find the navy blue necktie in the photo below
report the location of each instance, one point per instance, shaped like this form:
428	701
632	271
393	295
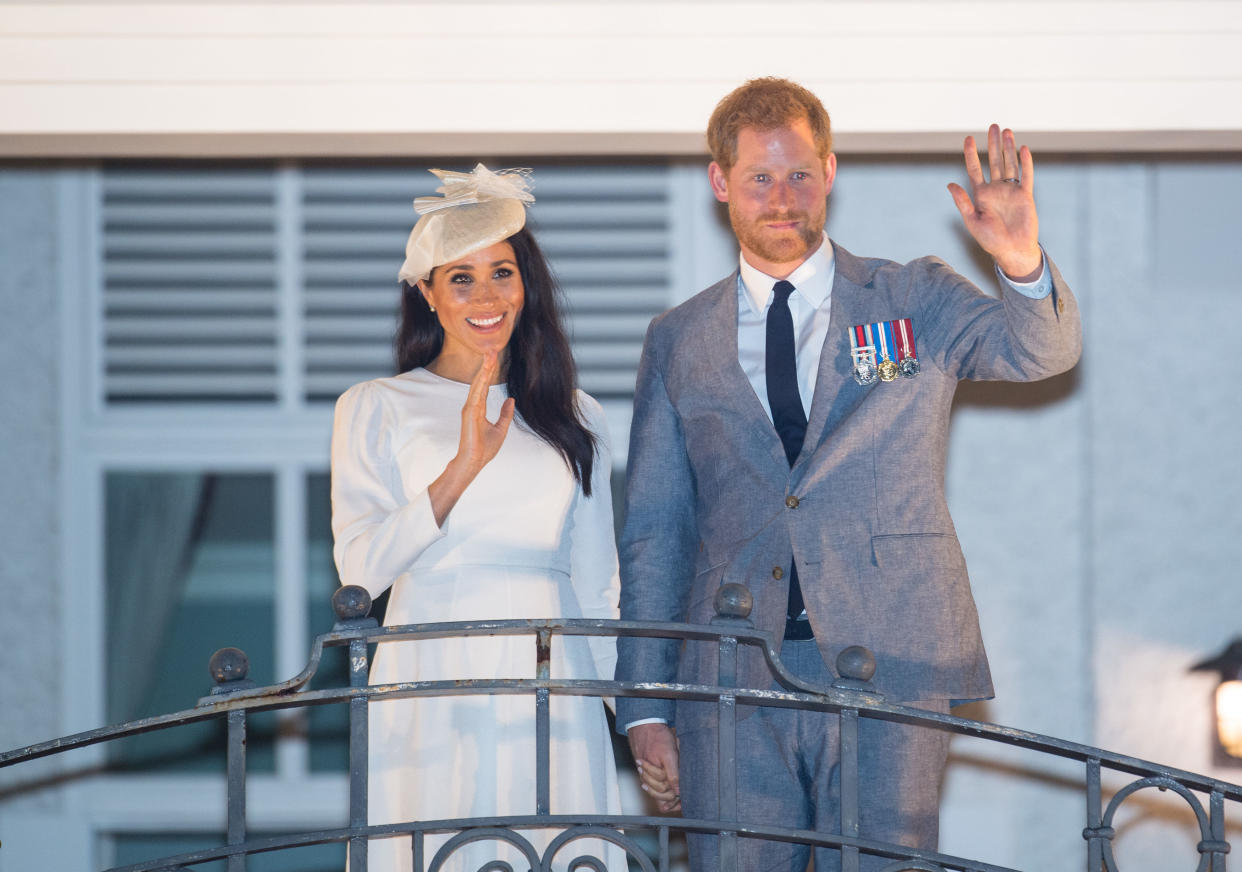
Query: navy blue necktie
781	372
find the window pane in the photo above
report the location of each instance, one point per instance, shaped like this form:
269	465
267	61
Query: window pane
328	724
190	569
130	848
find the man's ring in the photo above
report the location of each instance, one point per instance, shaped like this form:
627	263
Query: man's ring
1012	181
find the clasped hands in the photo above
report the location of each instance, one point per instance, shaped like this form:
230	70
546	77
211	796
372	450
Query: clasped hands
655	752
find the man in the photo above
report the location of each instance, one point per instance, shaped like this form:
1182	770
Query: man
790	430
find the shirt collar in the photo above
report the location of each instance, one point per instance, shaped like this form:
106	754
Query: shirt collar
812	279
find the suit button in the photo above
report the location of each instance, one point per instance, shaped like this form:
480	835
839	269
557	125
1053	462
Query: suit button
791	502
778	573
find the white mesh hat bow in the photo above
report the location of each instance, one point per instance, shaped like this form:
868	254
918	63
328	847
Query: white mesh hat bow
478	209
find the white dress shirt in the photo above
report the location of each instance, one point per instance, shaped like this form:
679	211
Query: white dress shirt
810	306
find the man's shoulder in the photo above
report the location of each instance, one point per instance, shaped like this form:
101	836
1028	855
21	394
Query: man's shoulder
882	272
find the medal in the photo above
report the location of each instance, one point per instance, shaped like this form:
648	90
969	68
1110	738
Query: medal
887	367
908	360
863	353
865	372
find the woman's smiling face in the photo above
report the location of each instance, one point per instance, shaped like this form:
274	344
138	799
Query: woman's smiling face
477	299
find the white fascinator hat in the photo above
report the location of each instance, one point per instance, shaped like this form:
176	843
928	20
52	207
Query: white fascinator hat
478	209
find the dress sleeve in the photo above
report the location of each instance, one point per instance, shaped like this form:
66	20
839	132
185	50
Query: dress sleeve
593	554
378	532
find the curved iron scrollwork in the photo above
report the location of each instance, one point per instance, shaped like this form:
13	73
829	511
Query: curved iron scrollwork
1106	831
486	834
632	849
581	863
912	866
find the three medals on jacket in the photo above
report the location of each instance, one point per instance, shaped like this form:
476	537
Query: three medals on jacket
882	351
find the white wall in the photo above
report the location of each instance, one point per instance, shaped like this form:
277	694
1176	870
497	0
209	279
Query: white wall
606	77
30	529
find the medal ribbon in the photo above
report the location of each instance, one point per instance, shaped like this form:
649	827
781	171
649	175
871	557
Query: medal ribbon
906	330
890	340
860	339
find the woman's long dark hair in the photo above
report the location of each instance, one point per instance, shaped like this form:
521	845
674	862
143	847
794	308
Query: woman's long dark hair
541	377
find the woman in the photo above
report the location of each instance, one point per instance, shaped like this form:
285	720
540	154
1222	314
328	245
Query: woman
475	484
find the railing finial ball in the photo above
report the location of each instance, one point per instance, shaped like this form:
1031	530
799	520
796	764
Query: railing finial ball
856	662
734	601
351	602
228	664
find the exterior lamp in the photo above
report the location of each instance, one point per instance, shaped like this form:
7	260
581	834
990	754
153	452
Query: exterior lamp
1228	696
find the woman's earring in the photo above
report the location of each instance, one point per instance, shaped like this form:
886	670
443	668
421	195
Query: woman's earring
431	307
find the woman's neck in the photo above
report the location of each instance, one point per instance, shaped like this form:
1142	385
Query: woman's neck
463	368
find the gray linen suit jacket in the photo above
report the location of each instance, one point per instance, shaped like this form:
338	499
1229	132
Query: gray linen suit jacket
877	554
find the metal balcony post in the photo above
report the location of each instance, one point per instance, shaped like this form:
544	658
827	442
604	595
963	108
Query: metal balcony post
352	605
229	668
726	765
543	671
1219	847
733	604
849	786
1095	831
358	754
855	668
237	787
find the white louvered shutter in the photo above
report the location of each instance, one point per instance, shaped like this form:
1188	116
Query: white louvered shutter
191	288
355	225
605	231
189	285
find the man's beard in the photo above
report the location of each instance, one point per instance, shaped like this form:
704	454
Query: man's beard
785	248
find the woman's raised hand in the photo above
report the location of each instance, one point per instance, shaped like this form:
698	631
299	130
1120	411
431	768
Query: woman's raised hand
480	440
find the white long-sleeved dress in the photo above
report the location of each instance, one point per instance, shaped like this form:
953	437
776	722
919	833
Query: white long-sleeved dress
522	542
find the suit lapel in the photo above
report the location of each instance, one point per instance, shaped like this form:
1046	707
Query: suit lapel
718	352
836	392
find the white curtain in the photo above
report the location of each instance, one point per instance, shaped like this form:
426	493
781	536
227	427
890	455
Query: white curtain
151	524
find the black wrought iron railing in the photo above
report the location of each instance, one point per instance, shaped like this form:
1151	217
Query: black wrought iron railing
851	697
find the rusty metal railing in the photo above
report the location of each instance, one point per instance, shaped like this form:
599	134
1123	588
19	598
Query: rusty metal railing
235	699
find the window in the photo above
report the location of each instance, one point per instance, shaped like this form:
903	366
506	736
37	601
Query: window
220	312
190	569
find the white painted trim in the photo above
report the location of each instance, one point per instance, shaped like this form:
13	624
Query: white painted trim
292	641
289	285
81	571
92	293
430	144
